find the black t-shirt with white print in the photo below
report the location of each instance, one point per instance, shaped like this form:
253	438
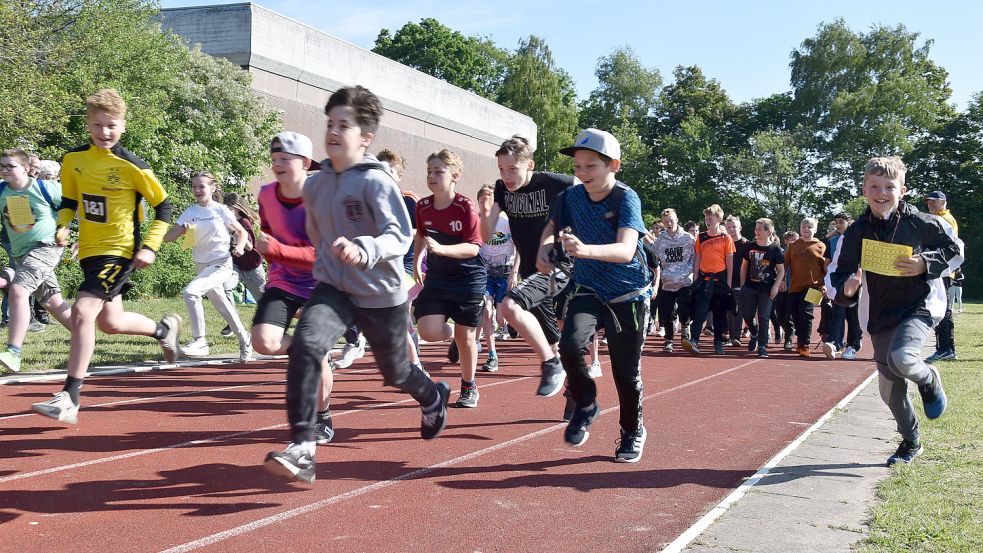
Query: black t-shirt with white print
528	209
762	265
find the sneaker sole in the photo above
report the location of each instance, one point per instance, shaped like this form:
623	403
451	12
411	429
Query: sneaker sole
8	368
550	392
626	460
279	467
891	461
580	443
43	410
828	351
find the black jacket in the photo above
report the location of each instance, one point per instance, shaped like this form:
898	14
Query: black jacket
886	300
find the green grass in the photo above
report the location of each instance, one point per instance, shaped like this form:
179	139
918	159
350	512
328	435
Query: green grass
49	350
936	503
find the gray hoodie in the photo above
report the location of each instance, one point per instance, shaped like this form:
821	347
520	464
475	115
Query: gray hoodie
364	204
676	257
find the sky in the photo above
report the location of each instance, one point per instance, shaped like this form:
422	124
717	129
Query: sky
744	45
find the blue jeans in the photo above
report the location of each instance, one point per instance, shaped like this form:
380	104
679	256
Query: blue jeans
848	318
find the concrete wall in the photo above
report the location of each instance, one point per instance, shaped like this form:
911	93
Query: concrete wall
296	67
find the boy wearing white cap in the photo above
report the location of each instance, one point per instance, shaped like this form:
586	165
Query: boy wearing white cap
602	226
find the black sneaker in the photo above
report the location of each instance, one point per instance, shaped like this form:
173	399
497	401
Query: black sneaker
324	430
433	423
630	446
294	463
42	316
576	432
752	344
934	400
762	353
469	397
551	381
452	354
906	453
227	331
490	366
718	348
788	345
569	406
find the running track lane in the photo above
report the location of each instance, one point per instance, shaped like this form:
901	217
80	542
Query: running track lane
171	460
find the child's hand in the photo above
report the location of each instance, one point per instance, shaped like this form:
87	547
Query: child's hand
486	198
239	249
543	262
911	266
144	258
433	246
263	243
347	251
573	246
774	290
418	276
852	284
61	237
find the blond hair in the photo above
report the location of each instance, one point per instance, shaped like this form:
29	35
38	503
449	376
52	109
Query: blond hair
715	210
20	155
107	100
449	159
394	159
766	224
811	222
887	166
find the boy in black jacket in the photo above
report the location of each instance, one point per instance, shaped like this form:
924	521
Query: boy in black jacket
900	301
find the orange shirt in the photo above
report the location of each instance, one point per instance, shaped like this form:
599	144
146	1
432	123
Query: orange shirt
713	251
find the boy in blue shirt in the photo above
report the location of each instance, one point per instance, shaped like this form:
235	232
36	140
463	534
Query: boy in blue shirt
601	222
899	306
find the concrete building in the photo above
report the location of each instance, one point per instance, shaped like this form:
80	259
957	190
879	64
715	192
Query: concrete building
296	67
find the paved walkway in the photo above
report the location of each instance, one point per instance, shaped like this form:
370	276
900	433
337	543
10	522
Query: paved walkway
817	498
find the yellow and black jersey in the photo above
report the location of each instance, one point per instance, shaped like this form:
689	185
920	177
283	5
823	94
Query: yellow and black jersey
106	187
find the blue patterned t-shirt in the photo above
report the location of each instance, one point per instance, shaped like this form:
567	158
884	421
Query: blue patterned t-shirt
586	218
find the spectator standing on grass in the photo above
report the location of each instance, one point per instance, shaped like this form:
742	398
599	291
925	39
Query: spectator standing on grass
945	332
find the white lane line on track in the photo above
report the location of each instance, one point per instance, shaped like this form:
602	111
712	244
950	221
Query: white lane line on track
286	515
142	452
691	533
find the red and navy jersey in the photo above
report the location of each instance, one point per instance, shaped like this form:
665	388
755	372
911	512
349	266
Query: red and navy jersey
457	224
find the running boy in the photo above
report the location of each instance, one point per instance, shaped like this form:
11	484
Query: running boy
611	286
360	230
108	182
899	309
447	228
526	197
27	208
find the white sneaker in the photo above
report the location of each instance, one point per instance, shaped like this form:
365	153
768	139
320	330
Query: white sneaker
502	333
849	353
830	351
595	369
245	350
195	348
169	343
478	345
661	332
350	353
61	408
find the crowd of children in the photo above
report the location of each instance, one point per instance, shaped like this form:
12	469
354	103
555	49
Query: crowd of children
553	259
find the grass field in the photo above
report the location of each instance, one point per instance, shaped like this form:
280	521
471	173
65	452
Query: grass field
49	350
936	503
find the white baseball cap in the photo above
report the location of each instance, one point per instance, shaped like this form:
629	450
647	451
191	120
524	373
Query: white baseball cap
295	143
597	140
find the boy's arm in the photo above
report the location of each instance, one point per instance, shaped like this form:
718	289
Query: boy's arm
622	250
392	236
69	198
418	249
844	264
147	185
730	267
743	273
489	212
543	262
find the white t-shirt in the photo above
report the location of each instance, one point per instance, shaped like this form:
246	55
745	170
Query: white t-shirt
500	249
211	231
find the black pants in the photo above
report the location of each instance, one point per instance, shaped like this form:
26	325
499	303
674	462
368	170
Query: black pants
718	302
848	317
757	304
325	318
945	333
802	315
782	307
586	314
678	303
736	317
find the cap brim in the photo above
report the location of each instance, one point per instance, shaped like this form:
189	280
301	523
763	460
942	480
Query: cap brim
569	151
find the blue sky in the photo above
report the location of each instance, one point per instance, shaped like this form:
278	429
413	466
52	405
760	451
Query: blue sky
744	45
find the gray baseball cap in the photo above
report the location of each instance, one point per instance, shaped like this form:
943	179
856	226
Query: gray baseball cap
597	140
295	143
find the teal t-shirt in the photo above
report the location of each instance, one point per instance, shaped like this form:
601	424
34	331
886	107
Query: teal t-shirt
27	216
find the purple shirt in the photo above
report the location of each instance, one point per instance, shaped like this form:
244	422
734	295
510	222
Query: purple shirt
288	226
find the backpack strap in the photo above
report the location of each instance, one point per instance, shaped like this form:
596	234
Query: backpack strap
46	194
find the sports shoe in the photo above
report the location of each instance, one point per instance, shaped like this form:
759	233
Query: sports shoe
350	353
194	348
630	446
551	380
570	405
295	463
691	346
667	347
906	453
433	423
245	350
453	355
227	331
778	336
752	344
935	357
684	332
803	351
934	400
850	353
594	371
61	408
41	316
762	353
490	366
469	397
323	430
830	350
169	343
788	345
736	342
718	347
576	432
502	333
949	355
36	327
9	361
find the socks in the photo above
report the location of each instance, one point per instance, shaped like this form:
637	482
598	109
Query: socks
73	386
493	354
161	331
466	384
14	349
322	416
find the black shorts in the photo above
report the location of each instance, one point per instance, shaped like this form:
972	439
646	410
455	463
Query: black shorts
277	308
534	295
465	313
105	276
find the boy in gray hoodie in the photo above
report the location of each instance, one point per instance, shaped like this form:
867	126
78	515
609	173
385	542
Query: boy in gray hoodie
360	229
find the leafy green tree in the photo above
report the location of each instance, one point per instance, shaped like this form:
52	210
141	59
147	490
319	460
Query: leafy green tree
470	62
535	86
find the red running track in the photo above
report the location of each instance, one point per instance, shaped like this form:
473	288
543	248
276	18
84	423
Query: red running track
171	461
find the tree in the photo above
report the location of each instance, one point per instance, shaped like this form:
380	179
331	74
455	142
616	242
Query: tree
470	62
533	85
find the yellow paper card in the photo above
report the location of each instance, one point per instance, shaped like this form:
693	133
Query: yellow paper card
189	238
814	296
879	257
19	211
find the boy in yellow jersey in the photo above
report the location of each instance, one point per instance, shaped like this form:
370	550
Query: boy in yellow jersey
105	184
